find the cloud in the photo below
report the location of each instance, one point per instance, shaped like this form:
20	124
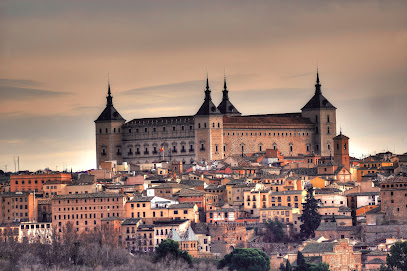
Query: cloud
19	89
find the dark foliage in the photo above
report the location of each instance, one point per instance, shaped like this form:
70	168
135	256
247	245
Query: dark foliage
397	260
170	249
274	231
310	216
246	259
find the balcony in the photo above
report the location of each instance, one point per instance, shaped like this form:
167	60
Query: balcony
146	152
202	149
155	152
130	153
191	150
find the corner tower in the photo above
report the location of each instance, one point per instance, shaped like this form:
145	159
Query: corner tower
108	133
323	114
226	107
341	150
208	130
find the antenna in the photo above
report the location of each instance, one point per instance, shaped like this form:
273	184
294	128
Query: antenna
18	160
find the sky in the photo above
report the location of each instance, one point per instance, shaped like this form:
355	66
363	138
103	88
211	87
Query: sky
56	57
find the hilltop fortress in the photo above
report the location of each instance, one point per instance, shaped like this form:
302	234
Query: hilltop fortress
215	132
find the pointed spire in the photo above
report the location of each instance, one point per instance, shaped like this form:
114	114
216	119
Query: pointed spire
208	90
317	85
109	97
225	90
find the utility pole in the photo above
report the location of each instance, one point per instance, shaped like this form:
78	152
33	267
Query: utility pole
18	160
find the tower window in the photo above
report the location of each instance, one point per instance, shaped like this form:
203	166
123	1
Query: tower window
291	148
100	131
205	125
316	129
307	148
190	127
213	125
327	118
182	128
218	125
337	147
317	147
260	148
199	125
106	131
344	146
329	131
173	128
163	129
224	148
242	148
329	147
114	130
216	147
316	118
145	130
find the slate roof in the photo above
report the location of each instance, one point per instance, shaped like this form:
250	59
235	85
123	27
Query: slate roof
363	194
173	234
131	221
192	182
267	120
181	205
208	107
375	210
109	113
327	226
87	196
225	106
319	247
376	261
377	253
318	100
189	235
141	199
187	192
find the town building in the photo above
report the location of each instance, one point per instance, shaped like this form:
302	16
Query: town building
34	182
394	198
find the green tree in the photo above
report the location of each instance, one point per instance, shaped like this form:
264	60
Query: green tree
398	256
288	266
282	267
170	248
301	263
310	216
319	267
274	232
246	259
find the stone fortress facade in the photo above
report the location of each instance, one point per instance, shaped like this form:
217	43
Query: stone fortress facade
215	132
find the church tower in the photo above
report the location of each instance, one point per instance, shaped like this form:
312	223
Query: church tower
226	107
208	130
341	150
323	114
109	133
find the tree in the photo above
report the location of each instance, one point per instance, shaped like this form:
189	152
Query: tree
310	216
274	232
170	248
288	266
398	256
301	263
246	259
319	267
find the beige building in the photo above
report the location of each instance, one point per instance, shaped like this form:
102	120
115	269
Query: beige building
16	207
86	211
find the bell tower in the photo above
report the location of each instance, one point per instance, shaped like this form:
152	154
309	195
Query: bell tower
109	133
341	150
